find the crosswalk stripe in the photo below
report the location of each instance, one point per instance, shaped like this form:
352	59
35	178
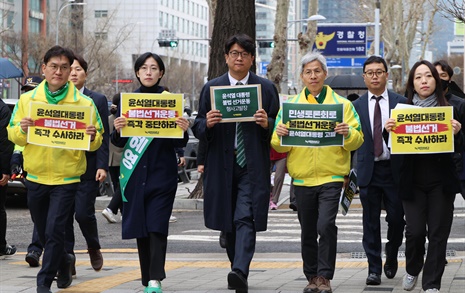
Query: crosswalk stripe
285	227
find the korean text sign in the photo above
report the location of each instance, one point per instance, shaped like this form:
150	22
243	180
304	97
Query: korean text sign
341	40
422	130
236	103
152	115
60	126
312	124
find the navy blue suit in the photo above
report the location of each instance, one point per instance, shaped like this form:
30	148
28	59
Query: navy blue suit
84	206
236	199
377	186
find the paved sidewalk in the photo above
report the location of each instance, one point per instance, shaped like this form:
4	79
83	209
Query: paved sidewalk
270	272
207	273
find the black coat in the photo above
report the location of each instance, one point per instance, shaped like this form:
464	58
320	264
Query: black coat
443	163
219	160
151	190
6	146
99	158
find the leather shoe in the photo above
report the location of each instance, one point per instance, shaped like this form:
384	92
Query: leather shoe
223	242
374	279
293	206
33	258
390	269
43	289
236	280
65	274
96	259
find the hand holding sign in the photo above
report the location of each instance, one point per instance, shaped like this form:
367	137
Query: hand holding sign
25	123
261	118
390	124
456	126
119	123
91	130
213	117
281	130
182	123
342	128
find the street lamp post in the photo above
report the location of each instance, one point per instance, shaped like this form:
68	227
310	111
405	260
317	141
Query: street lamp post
377	20
63	6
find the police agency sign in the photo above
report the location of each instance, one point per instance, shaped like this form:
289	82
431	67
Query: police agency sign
341	40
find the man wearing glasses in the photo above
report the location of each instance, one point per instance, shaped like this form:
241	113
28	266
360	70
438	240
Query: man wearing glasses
237	187
374	171
53	174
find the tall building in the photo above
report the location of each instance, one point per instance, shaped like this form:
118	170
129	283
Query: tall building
19	21
265	14
182	21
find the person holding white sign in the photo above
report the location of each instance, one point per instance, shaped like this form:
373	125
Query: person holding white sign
53	174
427	186
318	174
148	181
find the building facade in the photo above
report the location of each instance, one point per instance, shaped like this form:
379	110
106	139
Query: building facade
21	21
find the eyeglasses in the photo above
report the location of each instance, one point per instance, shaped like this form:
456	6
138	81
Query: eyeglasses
235	54
54	67
317	72
378	73
144	69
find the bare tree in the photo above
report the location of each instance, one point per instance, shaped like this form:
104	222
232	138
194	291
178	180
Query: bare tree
277	65
429	31
4	12
452	9
307	39
212	8
32	45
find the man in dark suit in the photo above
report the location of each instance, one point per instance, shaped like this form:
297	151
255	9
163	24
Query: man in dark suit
374	171
236	197
97	166
446	73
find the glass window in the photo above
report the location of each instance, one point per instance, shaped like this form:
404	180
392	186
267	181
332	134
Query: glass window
101	13
34	5
101	35
10	19
34	25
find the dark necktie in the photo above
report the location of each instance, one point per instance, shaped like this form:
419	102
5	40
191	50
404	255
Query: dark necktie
377	129
240	150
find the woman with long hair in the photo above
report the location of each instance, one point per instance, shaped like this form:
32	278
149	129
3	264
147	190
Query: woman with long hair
427	186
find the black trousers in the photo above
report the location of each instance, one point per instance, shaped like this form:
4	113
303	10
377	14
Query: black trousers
430	215
381	190
3	219
35	245
84	212
50	206
116	201
317	211
241	241
152	257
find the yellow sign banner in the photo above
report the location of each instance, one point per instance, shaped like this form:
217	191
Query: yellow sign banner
422	130
152	115
59	126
